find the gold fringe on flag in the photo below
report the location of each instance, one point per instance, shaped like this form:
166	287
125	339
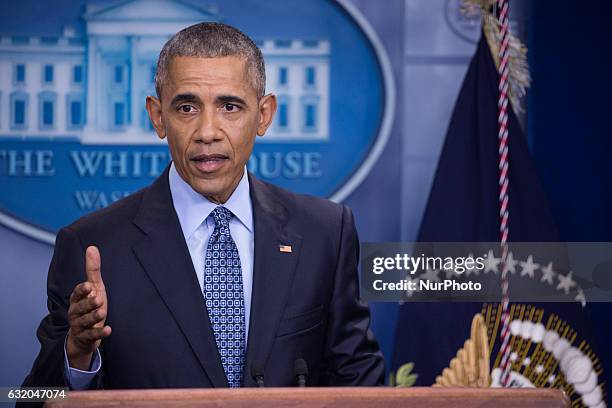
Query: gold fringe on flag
518	68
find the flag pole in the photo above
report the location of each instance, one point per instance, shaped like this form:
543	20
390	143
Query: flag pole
502	121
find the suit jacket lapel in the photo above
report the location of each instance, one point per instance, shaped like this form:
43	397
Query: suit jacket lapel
272	271
166	260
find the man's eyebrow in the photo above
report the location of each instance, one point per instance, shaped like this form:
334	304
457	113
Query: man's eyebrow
231	99
186	97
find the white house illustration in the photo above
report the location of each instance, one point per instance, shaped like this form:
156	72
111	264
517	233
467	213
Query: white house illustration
92	86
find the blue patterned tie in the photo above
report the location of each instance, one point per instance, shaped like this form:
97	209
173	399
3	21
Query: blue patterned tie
225	297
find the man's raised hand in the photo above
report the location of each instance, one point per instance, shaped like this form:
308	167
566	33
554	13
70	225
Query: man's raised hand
87	314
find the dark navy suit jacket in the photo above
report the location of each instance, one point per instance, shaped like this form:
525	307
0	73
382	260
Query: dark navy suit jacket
304	303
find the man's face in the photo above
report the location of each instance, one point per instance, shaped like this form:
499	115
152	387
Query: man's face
210	113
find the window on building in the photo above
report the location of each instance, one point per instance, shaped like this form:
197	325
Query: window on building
20	73
48	74
77	74
283	115
118	74
47	113
310	115
282	43
19	106
46	109
310	111
283	76
119	114
20	39
76	116
75	110
49	40
310	76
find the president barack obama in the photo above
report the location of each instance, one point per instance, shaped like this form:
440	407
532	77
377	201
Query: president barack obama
209	271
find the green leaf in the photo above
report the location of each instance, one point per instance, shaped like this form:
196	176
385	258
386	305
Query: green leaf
405	377
392	379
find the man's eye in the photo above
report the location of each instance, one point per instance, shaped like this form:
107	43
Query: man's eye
186	108
230	107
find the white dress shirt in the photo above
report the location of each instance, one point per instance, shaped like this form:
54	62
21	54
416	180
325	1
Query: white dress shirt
193	212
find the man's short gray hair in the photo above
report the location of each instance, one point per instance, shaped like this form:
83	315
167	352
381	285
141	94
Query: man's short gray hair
212	40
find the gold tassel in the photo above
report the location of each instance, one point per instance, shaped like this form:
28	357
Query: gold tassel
518	67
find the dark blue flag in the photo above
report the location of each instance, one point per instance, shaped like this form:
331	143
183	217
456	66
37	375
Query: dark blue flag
463	206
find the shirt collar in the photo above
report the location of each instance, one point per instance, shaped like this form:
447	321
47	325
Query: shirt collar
192	208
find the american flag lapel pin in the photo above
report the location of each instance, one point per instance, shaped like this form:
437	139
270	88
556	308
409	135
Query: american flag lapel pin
285	248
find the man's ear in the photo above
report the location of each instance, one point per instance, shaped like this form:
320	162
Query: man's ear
267	109
155	114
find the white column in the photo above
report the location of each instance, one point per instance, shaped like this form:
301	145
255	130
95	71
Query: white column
100	80
32	88
92	72
134	87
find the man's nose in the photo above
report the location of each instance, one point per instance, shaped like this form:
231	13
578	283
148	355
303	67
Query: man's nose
208	130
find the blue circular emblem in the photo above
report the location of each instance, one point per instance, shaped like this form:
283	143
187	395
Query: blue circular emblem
78	137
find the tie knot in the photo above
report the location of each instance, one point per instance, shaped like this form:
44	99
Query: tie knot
222	216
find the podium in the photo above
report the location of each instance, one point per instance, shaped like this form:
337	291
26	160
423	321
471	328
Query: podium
343	397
